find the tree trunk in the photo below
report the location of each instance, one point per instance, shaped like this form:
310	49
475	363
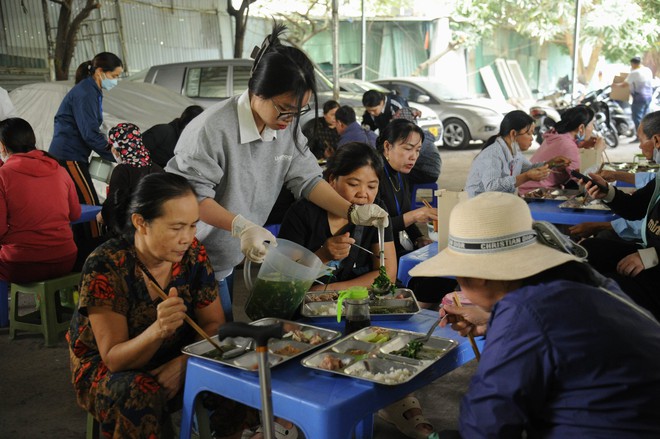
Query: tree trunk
451	46
67	33
240	18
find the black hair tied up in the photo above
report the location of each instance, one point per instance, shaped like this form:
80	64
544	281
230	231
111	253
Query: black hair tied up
148	198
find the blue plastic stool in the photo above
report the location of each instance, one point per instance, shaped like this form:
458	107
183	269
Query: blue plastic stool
4	304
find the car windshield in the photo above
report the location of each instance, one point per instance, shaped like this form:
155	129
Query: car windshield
444	91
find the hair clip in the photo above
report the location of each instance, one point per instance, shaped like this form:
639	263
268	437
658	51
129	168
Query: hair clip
258	53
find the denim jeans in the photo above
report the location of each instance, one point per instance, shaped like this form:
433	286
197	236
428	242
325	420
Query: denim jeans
639	108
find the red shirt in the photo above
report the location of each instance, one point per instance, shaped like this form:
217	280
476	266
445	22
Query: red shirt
38	200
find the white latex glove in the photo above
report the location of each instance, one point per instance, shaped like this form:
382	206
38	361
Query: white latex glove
369	215
252	238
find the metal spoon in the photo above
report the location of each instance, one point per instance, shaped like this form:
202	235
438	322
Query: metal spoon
238	351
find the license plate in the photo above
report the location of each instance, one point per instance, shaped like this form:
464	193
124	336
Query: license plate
434	130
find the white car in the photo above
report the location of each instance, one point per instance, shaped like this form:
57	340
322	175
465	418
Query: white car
428	120
464	118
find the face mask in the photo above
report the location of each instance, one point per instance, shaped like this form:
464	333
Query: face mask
579	137
108	84
656	155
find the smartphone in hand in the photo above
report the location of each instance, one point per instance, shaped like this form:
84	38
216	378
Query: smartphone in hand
584	178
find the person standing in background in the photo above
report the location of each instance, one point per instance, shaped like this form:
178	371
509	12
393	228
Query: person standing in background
161	139
639	81
77	132
380	109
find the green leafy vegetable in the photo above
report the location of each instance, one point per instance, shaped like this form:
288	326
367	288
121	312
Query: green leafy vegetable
382	284
411	350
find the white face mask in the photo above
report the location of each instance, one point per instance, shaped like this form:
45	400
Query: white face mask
656	155
3	154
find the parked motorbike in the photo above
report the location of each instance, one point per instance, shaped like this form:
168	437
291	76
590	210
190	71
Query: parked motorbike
547	112
602	121
620	113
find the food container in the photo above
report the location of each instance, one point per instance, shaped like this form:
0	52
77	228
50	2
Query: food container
369	355
400	305
298	339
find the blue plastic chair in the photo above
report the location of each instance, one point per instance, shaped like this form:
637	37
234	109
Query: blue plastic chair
4	304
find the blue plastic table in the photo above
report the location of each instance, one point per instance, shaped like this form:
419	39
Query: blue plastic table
549	210
323	406
88	213
408	261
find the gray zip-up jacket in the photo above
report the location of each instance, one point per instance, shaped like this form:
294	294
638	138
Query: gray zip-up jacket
225	158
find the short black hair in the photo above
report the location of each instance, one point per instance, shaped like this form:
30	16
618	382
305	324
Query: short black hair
372	98
397	129
635	60
346	115
17	135
651	124
573	118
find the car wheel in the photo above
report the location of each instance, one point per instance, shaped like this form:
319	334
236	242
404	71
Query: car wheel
456	134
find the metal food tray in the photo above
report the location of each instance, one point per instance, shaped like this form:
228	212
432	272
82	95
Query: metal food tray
633	167
248	360
576	204
403	302
355	357
550	194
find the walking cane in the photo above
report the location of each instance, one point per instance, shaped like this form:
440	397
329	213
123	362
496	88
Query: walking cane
261	335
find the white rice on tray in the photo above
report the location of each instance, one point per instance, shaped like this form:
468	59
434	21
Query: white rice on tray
393	376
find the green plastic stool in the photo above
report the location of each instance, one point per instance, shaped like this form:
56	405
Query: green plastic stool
52	318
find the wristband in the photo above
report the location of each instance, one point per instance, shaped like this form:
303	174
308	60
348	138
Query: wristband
351	208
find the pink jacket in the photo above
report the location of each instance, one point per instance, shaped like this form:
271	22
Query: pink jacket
554	144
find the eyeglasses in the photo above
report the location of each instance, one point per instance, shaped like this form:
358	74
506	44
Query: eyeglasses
284	115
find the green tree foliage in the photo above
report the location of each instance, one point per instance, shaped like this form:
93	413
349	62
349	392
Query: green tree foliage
617	29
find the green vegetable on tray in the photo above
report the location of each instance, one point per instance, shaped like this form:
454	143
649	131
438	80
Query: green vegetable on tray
411	350
382	284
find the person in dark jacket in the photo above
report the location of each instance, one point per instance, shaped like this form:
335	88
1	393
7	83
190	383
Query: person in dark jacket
321	133
161	139
77	131
399	144
37	203
380	109
351	131
635	266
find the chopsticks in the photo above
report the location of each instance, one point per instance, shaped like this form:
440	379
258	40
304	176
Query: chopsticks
475	349
435	222
188	320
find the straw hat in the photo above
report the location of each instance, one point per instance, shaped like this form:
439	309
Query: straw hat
491	237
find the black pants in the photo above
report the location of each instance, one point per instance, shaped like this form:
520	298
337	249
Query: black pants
605	254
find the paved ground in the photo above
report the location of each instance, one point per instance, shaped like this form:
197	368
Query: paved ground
37	399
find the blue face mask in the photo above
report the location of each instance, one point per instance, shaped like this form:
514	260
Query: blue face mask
108	84
579	137
656	155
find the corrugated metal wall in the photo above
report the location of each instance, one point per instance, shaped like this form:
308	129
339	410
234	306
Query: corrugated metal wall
153	32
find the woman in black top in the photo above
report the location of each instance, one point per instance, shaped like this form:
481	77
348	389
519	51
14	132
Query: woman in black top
399	144
354	172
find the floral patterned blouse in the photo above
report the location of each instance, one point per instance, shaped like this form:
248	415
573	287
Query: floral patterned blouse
111	278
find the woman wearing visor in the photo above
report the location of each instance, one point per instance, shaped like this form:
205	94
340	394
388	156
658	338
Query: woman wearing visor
240	152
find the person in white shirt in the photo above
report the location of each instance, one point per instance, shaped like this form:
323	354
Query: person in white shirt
639	81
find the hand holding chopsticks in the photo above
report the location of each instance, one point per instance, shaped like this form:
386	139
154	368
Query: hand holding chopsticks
435	222
188	320
475	349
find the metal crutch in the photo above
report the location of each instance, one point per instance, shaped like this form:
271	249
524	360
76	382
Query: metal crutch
261	335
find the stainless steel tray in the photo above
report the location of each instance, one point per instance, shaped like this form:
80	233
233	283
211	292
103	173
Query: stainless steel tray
298	339
367	355
400	305
544	194
577	203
